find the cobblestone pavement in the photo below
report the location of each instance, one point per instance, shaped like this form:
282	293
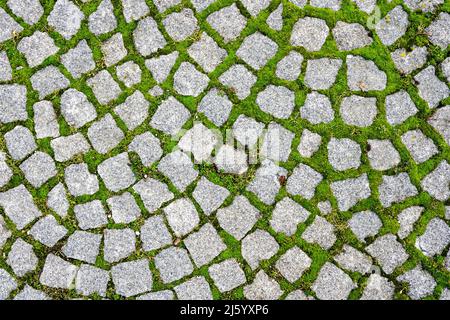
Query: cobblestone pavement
222	149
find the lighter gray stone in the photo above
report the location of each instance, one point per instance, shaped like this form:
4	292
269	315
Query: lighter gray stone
395	189
124	208
209	196
256	50
65	148
204	245
113	49
20	142
134	110
435	238
431	88
132	278
173	264
118	244
393	26
227	275
303	181
231	160
28	293
419	145
161	66
321	73
437	30
275	19
76	109
105	88
317	108
258	246
147	37
238	218
266	184
90	215
350	191
364	75
129	73
239	79
207	53
228	22
196	288
320	232
79	60
29	10
277	101
287	215
290	66
48	231
170	116
388	252
154	234
90	280
350	36
421	283
332	283
182	216
353	260
134	9
188	81
57	273
293	263
37	47
406	62
399	107
5	67
7	283
247	131
57	200
48	80
277	142
38	168
344	154
365	224
13	99
9	27
45	121
198	141
382	155
83	246
80	181
177	166
378	288
103	20
104	134
309	33
262	288
153	193
216	106
148	147
406	219
21	258
66	18
180	25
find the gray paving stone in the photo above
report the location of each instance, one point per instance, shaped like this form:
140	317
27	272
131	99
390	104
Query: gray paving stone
227	275
332	283
49	80
20	142
103	20
334	5
201	5
436	183
19	207
320	232
257	49
395	189
231	160
258	246
353	260
350	36
299	3
247	131
104	134
118	244
204	245
238	218
104	87
431	88
66	18
358	111
445	66
209	196
255	7
80	181
199	141
290	66
421	283
179	169
277	101
266	184
45	120
182	216
134	9
163	5
57	273
116	172
57	200
90	280
29	10
156	91
325	207
83	246
350	191
321	73
13	99
207	53
7	284
344	154
173	264
158	295
435	238
129	73
388	252
196	288
275	19
65	148
114	50
277	142
298	294
408	61
170	116
378	288
293	263
188	81
445	295
399	107
310	33
287	215
29	293
124	208
79	60
38	168
216	106
317	108
154	234
5	233
5	67
76	109
423	5
148	148
48	231
180	25
407	218
382	155
147	37
439	122
364	75
161	66
90	215
9	26
228	22
303	181
21	258
419	145
153	193
37	48
365	224
239	79
436	31
393	26
132	278
262	288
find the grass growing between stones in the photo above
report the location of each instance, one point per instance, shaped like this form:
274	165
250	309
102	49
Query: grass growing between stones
237	185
